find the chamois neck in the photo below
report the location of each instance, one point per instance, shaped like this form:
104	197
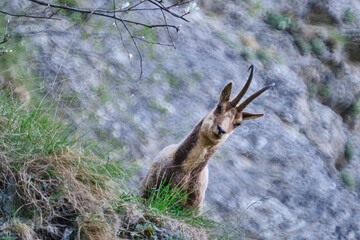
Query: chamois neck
195	150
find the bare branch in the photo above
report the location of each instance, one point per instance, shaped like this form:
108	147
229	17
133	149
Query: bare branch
87	11
118	14
30	16
160	5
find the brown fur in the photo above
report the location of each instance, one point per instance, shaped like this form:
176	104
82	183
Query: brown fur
187	145
185	164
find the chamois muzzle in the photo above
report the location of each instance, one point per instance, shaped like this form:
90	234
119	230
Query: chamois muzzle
220	130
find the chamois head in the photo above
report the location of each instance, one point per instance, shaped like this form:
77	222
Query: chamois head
220	123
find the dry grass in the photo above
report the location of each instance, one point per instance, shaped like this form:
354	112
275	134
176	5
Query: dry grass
24	231
60	192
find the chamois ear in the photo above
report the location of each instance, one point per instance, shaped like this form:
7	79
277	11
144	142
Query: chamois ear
225	93
247	115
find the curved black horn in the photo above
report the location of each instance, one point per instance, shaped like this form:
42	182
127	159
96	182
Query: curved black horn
252	97
245	88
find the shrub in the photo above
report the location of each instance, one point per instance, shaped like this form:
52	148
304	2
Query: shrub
355	108
302	45
349	16
247	53
312	89
326	91
263	55
281	22
349	179
349	151
317	46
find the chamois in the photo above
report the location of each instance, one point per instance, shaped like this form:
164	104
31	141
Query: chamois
185	164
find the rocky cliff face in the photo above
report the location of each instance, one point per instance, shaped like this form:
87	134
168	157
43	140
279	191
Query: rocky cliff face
299	164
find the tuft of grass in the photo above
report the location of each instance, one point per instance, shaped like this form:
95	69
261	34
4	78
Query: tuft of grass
263	55
197	75
172	79
325	91
281	22
317	46
303	45
156	105
31	132
355	108
210	14
312	89
247	53
349	16
349	151
349	179
256	9
223	36
340	38
168	199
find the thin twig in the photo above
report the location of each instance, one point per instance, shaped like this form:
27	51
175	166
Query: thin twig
135	5
178	4
167	29
185	14
155	43
29	16
118	28
132	38
136	46
167	10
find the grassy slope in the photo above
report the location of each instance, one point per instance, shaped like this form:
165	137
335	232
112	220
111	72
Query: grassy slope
50	187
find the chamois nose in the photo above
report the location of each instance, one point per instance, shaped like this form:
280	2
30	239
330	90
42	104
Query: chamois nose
221	131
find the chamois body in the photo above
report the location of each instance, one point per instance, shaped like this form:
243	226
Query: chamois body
185	164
